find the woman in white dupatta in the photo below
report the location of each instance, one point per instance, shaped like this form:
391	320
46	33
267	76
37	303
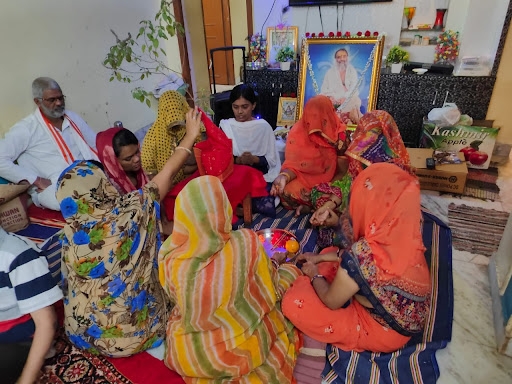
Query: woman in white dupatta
254	143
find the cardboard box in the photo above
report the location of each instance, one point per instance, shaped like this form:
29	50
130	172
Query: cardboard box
476	141
445	178
13	211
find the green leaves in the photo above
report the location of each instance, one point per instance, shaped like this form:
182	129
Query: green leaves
135	59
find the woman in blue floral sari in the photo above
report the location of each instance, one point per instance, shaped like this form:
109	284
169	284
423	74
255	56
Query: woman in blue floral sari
114	304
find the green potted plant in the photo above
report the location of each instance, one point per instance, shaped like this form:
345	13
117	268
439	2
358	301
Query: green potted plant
285	56
396	57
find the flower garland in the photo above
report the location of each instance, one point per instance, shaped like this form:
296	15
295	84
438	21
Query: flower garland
447	48
359	81
257	48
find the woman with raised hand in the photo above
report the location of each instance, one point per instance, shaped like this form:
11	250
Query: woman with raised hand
114	304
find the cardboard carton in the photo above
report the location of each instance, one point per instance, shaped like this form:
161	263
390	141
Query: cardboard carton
13	210
476	141
445	178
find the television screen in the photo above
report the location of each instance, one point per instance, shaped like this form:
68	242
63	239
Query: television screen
331	2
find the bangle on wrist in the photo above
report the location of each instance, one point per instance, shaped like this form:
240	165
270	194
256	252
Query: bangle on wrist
317	276
285	174
331	199
275	263
185	149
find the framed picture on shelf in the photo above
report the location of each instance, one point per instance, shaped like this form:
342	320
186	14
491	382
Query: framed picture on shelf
347	70
286	111
278	37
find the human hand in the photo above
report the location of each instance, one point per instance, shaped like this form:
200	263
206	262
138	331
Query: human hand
246	158
324	216
280	257
308	256
278	185
309	269
41	183
193	125
354	115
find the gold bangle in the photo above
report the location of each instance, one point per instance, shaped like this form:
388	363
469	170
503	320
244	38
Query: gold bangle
185	149
288	177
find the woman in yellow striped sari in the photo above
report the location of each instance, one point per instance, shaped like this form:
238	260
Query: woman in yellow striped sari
227	324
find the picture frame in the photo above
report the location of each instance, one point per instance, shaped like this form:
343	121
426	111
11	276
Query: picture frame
278	37
287	111
358	91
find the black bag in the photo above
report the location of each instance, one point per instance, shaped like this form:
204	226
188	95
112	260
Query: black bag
219	102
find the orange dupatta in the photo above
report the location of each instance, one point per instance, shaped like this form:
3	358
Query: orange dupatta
59	140
385	211
311	145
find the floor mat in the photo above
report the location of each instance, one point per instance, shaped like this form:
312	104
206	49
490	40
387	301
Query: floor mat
476	230
72	365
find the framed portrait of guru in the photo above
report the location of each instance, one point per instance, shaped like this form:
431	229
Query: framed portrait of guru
345	69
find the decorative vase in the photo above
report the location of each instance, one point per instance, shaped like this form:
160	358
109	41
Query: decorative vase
285	65
396	67
439	23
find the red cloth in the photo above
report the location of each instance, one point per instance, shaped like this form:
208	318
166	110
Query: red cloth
244	180
144	368
214	155
35	212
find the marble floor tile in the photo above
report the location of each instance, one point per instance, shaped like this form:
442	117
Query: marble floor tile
471	356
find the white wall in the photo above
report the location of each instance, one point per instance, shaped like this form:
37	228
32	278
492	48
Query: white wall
479	21
383	17
68	40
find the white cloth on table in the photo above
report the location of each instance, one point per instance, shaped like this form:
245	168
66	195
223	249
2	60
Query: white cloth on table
332	86
31	145
257	137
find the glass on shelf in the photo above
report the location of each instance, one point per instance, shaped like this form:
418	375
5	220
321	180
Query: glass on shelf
409	14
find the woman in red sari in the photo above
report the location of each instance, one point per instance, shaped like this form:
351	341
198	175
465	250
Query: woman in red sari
313	155
373	293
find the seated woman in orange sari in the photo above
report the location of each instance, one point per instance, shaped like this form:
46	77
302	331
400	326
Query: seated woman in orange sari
373	293
375	140
313	155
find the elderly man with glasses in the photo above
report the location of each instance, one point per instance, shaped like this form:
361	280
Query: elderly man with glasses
40	146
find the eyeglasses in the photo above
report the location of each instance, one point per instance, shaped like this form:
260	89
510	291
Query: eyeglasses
52	100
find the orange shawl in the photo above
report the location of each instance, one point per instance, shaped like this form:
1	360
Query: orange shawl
385	210
311	146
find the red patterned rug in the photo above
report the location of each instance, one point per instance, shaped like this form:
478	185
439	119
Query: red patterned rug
71	365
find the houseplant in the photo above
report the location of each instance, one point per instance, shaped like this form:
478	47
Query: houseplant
396	57
285	56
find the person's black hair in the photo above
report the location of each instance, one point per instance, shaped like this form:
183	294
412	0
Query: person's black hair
123	138
245	91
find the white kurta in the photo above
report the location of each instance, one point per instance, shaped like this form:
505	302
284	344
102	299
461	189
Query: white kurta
257	137
31	145
332	86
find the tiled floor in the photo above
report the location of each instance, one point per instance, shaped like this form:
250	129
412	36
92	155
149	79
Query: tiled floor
471	357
